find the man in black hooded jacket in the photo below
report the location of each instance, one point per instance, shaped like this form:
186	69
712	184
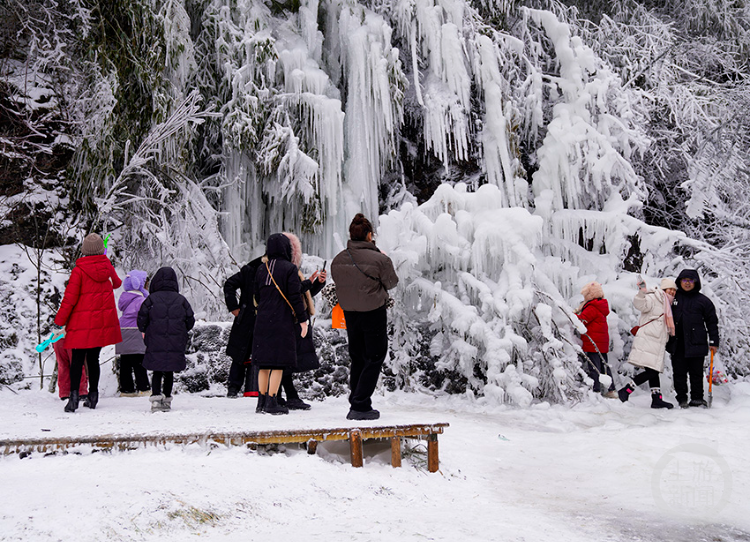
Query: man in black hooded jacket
240	344
696	332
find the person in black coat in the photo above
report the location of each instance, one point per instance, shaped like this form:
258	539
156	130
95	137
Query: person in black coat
307	358
240	344
164	319
696	332
281	316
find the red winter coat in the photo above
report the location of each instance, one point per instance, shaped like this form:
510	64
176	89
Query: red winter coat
594	316
88	309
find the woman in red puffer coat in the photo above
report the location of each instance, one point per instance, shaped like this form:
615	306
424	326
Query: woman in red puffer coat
89	315
593	314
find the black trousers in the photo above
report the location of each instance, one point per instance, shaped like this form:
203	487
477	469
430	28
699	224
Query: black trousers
682	367
133	364
156	383
89	356
368	346
242	374
601	368
287	384
648	374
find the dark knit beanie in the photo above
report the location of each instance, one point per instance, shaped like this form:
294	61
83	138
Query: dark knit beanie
92	245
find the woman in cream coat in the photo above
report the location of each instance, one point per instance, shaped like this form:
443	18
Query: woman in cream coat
649	345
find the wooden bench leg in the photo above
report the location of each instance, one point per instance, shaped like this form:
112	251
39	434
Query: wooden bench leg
395	451
355	444
312	446
432	453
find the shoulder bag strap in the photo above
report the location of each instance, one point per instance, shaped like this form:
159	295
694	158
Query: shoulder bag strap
294	314
360	270
653	319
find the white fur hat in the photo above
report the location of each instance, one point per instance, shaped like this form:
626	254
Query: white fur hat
667	283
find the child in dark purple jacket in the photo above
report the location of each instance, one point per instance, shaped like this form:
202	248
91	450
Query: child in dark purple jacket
132	349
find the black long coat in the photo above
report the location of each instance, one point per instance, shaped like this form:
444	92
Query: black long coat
274	339
240	343
165	317
307	357
694	319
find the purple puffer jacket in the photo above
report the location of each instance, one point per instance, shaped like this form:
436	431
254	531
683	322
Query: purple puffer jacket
130	303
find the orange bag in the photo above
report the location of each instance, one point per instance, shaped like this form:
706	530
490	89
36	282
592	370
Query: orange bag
337	318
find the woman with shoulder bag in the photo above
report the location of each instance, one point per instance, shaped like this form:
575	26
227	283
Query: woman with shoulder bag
281	316
649	344
363	276
307	358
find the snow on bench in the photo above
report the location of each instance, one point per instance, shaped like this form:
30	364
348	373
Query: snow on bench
309	437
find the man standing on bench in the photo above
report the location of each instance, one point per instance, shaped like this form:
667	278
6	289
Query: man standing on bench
363	276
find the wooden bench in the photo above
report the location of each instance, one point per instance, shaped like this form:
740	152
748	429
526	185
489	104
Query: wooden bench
310	437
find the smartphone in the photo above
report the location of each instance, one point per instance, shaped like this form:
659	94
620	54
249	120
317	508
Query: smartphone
324	265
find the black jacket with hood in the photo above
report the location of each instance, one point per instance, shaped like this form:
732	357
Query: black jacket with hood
240	344
165	317
275	336
695	319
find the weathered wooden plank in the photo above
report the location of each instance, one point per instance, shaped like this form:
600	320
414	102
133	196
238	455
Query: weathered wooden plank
311	437
355	445
281	436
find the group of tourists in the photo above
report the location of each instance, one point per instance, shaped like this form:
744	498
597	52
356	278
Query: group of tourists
675	317
151	334
271	336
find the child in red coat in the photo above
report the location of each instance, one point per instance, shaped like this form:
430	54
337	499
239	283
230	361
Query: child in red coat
89	315
593	314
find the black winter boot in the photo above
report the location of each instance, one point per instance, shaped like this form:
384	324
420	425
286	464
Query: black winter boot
297	404
261	403
92	400
658	402
72	402
272	406
624	393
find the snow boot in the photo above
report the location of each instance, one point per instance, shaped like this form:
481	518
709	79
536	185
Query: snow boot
624	393
166	403
611	394
371	414
272	406
156	402
92	400
72	402
297	404
261	403
698	403
684	404
658	402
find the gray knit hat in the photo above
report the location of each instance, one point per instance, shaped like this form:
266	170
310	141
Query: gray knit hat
92	245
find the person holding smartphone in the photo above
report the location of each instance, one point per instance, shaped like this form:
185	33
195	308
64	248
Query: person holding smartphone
655	326
363	275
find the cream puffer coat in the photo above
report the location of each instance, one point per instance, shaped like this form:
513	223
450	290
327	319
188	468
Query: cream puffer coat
649	345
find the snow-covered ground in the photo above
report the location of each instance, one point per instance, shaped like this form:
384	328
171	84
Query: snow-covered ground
601	470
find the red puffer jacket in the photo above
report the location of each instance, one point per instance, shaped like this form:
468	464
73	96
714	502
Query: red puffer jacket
594	316
88	309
